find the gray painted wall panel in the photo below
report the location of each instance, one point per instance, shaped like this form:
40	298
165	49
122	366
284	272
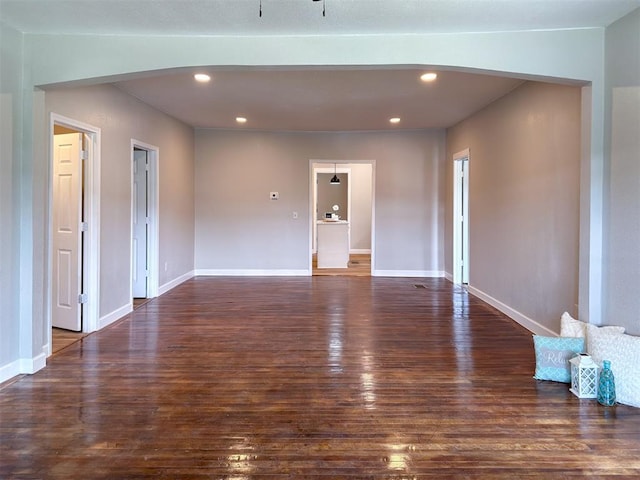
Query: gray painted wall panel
622	230
121	118
523	199
238	227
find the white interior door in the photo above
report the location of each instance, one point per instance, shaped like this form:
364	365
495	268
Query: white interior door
140	223
67	217
461	219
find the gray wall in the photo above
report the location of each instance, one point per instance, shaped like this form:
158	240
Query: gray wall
121	118
622	230
238	227
10	122
523	200
330	195
361	197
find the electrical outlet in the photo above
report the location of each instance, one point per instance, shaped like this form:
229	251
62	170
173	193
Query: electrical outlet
274	195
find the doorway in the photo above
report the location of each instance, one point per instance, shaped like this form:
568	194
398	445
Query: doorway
461	217
350	200
144	223
73	246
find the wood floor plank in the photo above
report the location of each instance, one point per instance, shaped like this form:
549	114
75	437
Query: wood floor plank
320	377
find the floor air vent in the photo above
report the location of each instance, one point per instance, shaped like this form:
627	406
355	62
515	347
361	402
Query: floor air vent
419	285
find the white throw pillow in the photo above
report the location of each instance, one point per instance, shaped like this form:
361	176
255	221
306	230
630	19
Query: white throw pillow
570	327
623	351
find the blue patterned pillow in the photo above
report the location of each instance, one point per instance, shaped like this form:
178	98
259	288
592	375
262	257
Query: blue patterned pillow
553	355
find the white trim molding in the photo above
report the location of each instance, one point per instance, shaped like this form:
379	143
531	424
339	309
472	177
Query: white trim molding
23	366
408	273
116	315
526	322
251	273
175	282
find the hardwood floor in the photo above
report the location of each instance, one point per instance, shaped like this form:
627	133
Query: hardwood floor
61	339
359	266
303	378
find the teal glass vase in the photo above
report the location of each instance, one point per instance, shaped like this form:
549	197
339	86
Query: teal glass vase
606	385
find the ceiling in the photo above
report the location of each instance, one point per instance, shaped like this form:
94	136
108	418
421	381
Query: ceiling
290	17
319	99
326	99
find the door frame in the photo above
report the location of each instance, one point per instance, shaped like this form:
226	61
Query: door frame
91	238
153	257
461	211
313	199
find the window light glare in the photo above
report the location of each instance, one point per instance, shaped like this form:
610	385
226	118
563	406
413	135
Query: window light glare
394	120
428	77
241	120
202	77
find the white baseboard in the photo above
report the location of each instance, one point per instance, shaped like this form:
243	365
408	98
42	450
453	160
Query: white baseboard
9	370
23	365
251	273
360	251
115	315
407	273
526	322
448	276
175	282
32	365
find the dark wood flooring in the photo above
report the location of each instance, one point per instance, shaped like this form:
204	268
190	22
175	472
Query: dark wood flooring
304	378
359	266
63	338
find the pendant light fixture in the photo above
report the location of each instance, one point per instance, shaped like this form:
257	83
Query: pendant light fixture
334	180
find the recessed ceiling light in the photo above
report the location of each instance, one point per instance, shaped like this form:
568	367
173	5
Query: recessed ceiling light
241	120
202	77
428	77
394	120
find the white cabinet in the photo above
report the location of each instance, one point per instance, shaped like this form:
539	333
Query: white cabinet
333	244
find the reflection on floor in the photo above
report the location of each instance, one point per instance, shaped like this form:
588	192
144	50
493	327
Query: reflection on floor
138	302
63	338
359	266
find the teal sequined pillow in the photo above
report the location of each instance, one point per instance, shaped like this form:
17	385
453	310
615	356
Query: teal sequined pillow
553	355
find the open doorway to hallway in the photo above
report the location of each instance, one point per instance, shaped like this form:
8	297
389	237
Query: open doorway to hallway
461	217
342	199
73	246
144	222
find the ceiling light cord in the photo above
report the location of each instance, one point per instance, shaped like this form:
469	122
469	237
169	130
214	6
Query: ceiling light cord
324	9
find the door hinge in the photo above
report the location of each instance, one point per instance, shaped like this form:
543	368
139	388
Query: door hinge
84	155
83	298
84	226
